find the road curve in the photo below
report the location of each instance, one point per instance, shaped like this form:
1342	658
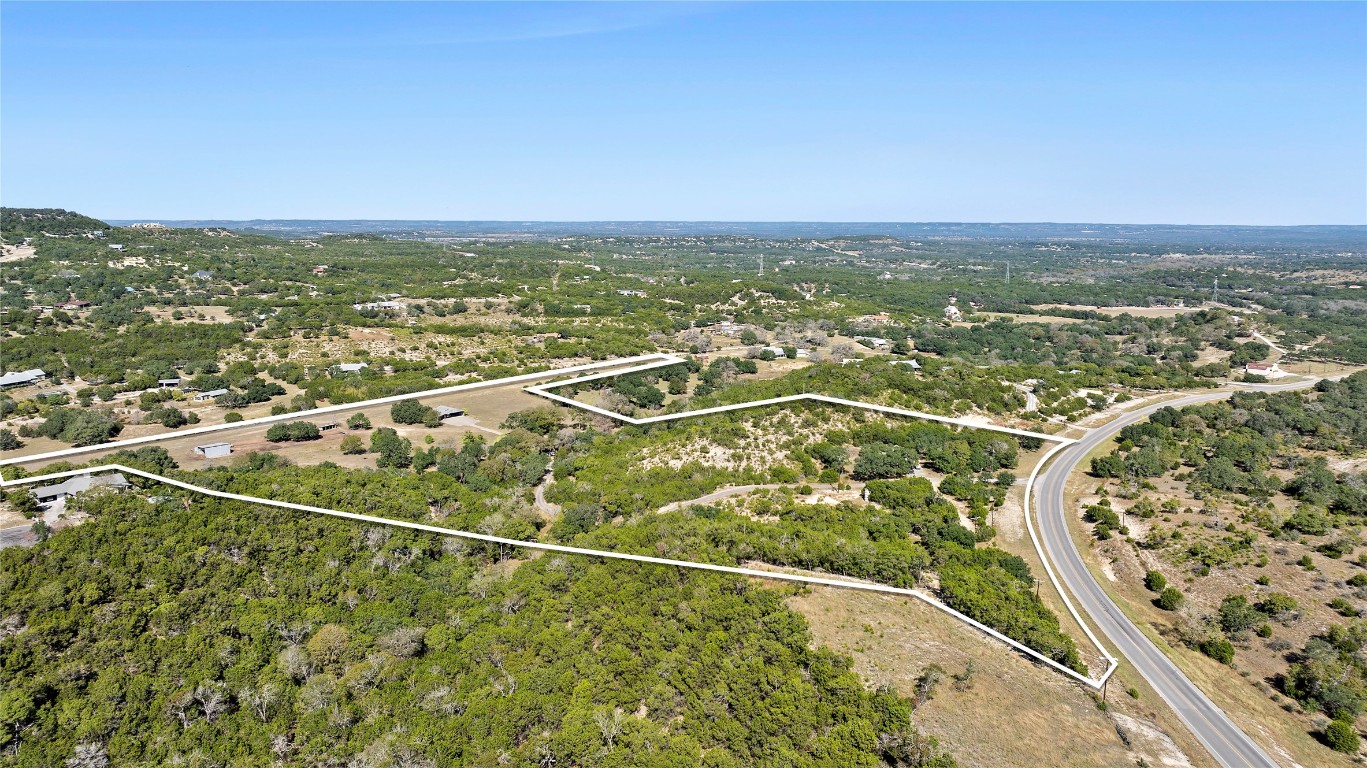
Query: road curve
1229	745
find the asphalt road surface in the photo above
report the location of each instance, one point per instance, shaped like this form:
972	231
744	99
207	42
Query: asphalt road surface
19	536
1230	746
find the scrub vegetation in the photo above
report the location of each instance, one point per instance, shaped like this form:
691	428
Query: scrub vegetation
172	629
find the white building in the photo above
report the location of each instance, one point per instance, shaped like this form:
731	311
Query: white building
21	378
214	450
47	494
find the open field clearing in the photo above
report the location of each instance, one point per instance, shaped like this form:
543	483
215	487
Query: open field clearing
1123	310
1000	719
195	314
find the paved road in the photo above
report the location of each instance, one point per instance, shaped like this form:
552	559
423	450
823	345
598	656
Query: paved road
1230	746
19	536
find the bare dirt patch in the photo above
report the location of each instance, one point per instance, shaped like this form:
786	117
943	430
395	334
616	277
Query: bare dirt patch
1123	310
16	253
196	314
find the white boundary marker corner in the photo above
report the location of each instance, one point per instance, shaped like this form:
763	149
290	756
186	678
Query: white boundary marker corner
657	360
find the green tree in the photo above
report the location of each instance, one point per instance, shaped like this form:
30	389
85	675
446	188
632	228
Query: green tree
883	460
1155	581
1170	599
9	441
410	412
1218	648
1341	736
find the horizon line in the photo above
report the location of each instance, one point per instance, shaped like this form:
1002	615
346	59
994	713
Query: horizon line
864	222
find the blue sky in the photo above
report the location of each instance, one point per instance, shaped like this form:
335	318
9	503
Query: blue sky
1134	113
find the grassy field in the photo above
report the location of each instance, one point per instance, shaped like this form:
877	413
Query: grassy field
1012	713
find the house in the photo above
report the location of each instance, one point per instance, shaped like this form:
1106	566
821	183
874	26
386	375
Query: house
116	247
168	383
874	342
73	304
214	450
912	364
446	411
202	274
777	351
350	367
630	292
321	269
1262	369
952	314
47	494
210	395
21	378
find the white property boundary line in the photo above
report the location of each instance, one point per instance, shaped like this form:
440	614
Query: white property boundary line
245	423
659	360
778	575
543	390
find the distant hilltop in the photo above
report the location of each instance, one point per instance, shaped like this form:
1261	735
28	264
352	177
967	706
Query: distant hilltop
19	223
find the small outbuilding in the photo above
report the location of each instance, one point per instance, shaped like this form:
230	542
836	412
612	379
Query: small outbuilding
210	395
214	450
446	411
